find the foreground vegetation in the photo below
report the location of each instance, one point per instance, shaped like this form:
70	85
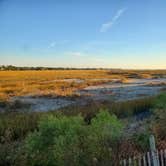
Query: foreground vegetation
70	141
80	136
15	125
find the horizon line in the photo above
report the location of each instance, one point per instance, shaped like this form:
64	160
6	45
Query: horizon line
77	68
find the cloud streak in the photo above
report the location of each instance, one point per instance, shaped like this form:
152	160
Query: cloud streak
55	43
76	54
106	26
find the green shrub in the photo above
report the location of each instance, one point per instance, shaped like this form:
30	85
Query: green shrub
160	101
142	140
69	141
159	123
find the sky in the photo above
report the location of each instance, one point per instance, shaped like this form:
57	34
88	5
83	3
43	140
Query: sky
83	33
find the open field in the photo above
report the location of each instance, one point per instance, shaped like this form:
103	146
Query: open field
62	82
54	89
15	83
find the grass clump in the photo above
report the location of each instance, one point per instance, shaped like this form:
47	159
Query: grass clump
160	101
130	108
142	140
15	126
159	123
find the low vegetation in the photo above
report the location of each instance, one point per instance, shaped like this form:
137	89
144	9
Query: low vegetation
18	124
159	123
70	141
61	82
84	136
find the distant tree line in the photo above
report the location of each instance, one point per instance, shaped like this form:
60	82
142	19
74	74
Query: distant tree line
11	67
111	70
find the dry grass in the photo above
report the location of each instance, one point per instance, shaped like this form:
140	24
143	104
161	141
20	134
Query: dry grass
16	83
59	82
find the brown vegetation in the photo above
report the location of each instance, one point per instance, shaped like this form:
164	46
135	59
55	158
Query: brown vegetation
62	82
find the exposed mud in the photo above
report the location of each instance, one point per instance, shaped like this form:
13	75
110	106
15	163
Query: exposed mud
43	103
134	89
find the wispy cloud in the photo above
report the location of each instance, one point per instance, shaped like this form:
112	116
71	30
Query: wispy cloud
106	26
76	54
55	43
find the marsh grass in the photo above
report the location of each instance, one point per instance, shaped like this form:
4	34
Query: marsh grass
17	83
159	121
16	125
123	109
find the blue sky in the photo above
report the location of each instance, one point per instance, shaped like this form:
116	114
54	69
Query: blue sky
83	33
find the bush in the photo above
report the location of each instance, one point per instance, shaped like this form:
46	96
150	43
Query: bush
160	101
142	140
159	124
12	154
69	141
15	126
